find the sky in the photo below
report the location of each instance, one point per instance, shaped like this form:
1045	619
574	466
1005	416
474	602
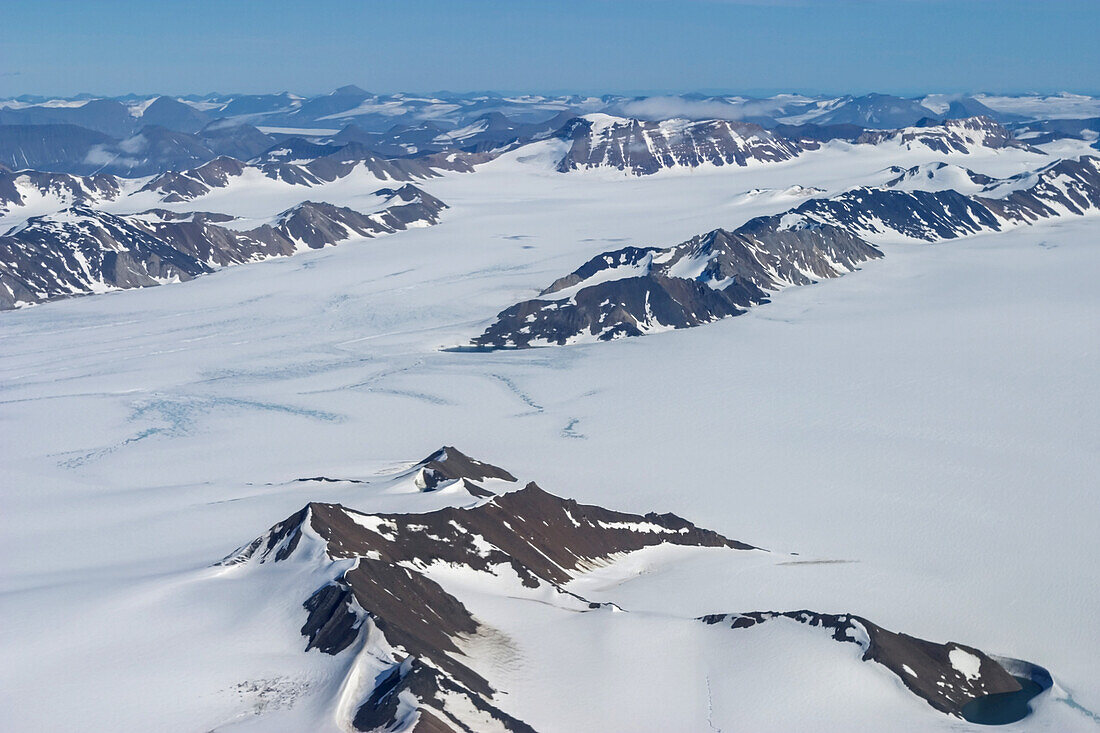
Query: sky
112	47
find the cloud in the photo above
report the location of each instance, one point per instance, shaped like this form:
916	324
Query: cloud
733	108
98	155
134	144
102	155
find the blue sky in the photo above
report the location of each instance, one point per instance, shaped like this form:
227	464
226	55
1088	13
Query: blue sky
62	47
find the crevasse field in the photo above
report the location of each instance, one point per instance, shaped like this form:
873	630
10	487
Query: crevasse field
922	433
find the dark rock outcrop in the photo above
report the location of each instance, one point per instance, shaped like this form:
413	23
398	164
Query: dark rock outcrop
434	693
947	676
185	185
715	275
1065	187
542	539
449	464
381	593
67	189
643	148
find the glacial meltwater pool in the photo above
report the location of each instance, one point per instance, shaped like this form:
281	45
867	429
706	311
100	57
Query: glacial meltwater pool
1004	707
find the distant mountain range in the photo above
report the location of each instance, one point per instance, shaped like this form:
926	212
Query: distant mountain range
134	136
60	240
596	140
641	148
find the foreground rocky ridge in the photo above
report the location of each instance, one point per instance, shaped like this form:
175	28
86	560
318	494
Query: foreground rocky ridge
540	540
82	250
385	594
947	676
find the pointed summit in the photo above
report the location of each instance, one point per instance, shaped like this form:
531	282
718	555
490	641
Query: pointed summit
450	464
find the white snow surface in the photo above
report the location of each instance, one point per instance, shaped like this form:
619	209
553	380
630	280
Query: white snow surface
922	432
966	663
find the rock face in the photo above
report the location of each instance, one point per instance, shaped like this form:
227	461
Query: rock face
1067	187
633	291
947	676
63	188
541	540
949	136
300	163
189	184
384	600
81	250
599	141
642	148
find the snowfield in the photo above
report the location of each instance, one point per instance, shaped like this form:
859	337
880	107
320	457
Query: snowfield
915	442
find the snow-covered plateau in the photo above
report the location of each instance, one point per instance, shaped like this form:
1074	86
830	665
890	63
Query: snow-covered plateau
204	478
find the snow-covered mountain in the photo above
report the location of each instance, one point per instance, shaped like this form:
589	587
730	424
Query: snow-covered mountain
854	421
599	141
147	135
639	147
30	190
391	605
376	112
82	250
1069	187
633	291
293	165
949	136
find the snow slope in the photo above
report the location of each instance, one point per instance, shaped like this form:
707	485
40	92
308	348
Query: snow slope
920	432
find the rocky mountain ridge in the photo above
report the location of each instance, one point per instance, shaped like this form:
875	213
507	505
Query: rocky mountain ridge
638	290
632	291
82	250
643	148
384	595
